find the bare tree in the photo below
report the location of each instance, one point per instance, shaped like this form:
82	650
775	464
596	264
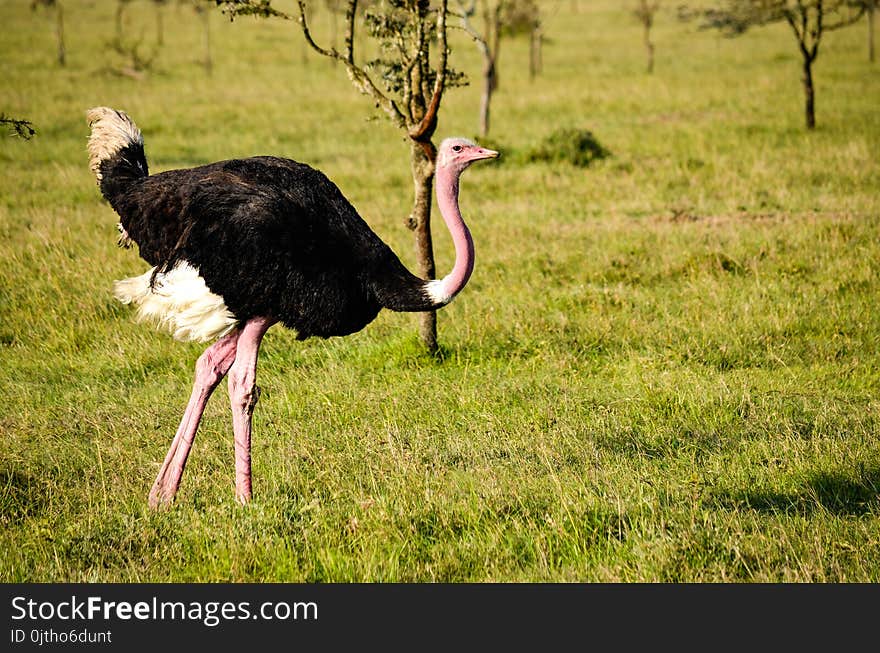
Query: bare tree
536	49
499	18
644	12
160	24
136	62
120	18
488	42
405	82
872	10
200	7
59	26
809	20
523	17
870	7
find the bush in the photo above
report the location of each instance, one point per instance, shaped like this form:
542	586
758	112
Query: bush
578	147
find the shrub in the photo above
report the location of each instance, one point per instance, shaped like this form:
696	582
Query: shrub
578	147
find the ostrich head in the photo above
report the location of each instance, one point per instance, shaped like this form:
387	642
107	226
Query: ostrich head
456	154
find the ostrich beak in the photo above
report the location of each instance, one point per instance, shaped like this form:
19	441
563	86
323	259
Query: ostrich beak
483	153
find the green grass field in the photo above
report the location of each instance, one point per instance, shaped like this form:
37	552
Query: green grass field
665	367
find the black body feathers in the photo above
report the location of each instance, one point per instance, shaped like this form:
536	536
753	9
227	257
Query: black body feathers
272	237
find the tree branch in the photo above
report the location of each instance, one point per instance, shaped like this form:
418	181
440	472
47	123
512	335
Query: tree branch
466	25
261	8
493	26
332	53
816	32
17	127
430	117
349	31
859	10
358	76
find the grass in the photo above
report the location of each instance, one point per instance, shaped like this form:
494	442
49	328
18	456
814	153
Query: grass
664	369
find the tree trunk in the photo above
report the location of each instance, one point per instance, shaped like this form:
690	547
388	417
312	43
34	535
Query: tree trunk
160	28
535	52
420	223
649	48
871	33
489	85
59	35
120	9
206	22
809	93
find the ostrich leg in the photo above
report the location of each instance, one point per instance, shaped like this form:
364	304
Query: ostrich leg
210	370
243	396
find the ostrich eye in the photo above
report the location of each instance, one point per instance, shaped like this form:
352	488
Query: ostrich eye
456	148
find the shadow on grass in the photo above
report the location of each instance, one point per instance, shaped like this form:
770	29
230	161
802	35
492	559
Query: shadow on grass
844	493
21	496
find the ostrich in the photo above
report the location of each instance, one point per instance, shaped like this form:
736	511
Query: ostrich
237	246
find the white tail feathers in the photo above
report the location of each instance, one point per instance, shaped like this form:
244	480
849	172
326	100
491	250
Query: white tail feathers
111	131
179	301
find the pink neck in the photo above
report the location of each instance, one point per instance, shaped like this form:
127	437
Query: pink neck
447	198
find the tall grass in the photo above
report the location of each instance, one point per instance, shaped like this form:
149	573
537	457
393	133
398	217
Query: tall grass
665	367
